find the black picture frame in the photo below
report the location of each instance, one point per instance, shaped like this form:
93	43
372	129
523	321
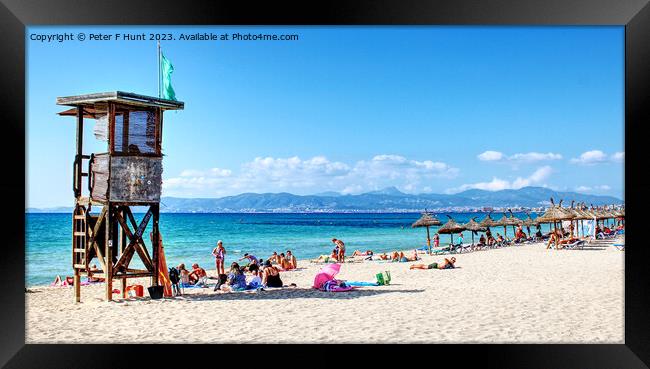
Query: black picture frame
15	15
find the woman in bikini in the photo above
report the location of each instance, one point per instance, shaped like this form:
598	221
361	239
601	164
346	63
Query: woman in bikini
447	264
219	253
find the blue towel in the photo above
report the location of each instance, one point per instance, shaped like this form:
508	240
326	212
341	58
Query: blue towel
360	284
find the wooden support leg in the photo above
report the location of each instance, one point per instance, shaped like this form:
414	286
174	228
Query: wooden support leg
109	253
77	286
109	273
124	288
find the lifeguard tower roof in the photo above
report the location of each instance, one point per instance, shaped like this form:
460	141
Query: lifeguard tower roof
126	98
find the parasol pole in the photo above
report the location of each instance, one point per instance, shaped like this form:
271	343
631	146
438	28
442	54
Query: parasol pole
428	240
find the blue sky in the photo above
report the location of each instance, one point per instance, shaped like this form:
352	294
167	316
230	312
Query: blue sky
349	109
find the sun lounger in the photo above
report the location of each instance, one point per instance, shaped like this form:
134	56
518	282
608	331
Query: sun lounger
578	244
466	247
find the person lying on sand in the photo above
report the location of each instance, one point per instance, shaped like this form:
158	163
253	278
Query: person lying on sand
383	256
69	281
359	253
91	279
447	264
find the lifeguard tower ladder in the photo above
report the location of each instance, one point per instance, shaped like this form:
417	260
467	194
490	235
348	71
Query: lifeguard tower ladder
128	174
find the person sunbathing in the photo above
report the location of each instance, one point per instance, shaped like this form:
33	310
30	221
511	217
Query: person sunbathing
396	256
447	264
69	281
481	241
91	279
359	253
383	256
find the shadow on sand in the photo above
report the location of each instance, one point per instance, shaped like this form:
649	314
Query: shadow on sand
289	293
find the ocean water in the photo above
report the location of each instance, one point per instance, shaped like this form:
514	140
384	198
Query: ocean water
190	238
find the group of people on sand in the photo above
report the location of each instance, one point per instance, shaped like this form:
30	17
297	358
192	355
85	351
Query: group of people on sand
400	257
338	253
261	273
197	277
235	280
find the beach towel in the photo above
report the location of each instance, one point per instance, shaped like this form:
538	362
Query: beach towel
360	284
333	286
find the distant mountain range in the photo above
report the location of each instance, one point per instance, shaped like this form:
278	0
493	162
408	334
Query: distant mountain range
387	200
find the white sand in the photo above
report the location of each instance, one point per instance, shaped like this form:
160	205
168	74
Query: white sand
518	294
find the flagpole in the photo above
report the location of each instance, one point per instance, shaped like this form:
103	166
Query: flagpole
159	69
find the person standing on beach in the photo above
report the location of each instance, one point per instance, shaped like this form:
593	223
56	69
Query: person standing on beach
219	253
341	246
436	240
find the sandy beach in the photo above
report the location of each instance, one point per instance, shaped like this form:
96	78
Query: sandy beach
522	294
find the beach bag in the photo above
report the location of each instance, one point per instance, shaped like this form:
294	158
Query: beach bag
383	279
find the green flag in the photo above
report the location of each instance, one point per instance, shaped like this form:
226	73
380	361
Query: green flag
167	69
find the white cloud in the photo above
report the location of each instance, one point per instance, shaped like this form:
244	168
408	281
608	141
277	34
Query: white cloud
497	184
594	188
491	156
590	158
535	156
293	174
618	156
519	157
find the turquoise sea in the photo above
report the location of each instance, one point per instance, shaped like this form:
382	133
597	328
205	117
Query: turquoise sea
190	238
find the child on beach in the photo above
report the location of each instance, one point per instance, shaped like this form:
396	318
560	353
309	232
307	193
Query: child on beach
219	253
255	282
184	274
436	240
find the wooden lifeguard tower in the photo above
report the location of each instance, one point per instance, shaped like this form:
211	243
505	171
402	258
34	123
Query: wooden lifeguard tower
128	174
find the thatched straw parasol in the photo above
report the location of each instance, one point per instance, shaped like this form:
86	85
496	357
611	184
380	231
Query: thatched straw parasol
474	226
503	221
554	214
513	221
427	220
488	222
579	215
450	228
528	222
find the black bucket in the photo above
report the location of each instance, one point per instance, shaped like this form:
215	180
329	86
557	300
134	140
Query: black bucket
156	292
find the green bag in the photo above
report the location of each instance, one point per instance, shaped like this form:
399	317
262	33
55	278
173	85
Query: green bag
380	279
